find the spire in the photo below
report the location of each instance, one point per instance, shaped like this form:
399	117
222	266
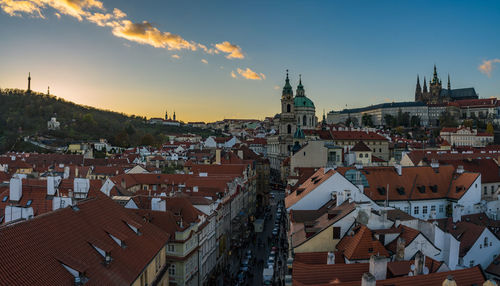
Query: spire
300	87
418	89
174	115
29	82
425	86
449	84
435	79
48	90
287	89
166	114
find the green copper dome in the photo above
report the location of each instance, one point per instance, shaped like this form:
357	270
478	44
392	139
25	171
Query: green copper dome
302	101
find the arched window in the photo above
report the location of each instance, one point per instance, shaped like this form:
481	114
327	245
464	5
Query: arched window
288	108
304	121
289	129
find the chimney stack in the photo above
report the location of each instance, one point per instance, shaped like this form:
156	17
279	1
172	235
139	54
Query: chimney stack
218	156
450	281
399	169
400	249
331	258
419	263
368	279
16	189
460	169
378	267
240	154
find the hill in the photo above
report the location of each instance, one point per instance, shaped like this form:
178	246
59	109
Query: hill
26	114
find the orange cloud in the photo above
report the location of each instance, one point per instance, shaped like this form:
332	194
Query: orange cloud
233	74
233	51
250	74
175	56
145	33
487	66
94	11
204	61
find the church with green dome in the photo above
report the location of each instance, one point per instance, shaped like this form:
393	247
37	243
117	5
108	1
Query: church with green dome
297	113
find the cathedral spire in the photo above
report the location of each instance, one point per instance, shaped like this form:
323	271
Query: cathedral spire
449	84
418	90
425	85
435	79
48	90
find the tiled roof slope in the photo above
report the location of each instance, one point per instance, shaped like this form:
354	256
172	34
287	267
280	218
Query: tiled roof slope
444	181
308	186
361	245
32	252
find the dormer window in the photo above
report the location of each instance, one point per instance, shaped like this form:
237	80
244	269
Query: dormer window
5	198
134	227
28	203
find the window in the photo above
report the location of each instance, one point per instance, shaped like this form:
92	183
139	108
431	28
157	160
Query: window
485	190
336	232
157	262
471	263
486	242
380	150
424	210
145	187
28	203
304	121
416	209
433	209
360	155
5	199
171	248
288	108
407	210
441	208
492	189
366	155
289	129
171	270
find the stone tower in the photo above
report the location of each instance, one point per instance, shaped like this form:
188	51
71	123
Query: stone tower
287	117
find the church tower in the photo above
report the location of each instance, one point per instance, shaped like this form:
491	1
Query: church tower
29	83
166	114
287	117
418	91
435	86
174	116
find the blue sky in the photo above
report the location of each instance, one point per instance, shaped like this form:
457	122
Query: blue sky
350	53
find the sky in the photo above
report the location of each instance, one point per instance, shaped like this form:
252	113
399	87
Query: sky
210	60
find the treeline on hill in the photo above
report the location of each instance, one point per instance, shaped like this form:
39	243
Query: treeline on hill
24	114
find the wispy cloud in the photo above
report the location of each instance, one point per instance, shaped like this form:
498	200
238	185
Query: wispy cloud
204	61
276	87
248	74
140	32
232	51
176	56
487	66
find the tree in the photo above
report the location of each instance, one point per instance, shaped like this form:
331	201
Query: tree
147	140
367	120
389	121
415	121
490	129
447	120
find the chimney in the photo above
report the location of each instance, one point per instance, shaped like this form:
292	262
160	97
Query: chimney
457	214
368	279
378	267
66	172
399	169
460	169
435	164
240	154
16	189
419	264
217	156
330	258
76	172
51	188
449	281
195	189
400	249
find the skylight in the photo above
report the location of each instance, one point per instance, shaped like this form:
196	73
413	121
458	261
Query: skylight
5	199
28	203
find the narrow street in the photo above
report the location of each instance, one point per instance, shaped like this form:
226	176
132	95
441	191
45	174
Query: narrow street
260	253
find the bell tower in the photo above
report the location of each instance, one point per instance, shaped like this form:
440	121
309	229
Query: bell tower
287	117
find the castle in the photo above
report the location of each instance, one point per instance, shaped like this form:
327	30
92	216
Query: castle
437	94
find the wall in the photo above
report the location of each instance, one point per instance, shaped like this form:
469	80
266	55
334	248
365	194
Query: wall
480	254
152	270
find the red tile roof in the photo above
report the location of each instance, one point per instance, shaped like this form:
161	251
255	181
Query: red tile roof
33	252
360	146
308	186
466	232
361	245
